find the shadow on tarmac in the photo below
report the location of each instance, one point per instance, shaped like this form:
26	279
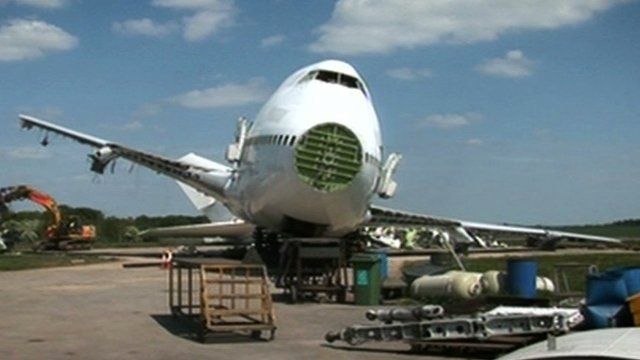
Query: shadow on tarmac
190	329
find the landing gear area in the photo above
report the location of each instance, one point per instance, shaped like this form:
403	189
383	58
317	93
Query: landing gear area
308	268
314	269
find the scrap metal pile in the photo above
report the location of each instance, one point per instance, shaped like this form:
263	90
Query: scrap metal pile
430	322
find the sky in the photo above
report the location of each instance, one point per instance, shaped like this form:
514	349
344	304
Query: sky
522	112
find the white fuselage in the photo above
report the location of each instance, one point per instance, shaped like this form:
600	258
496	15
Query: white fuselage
268	188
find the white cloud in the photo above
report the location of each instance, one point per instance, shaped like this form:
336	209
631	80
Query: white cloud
146	27
44	4
367	27
192	4
209	16
147	110
475	142
224	95
22	39
450	121
272	41
513	65
203	24
27	153
406	73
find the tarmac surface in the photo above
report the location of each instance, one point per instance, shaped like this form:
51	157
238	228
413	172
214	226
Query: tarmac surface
105	311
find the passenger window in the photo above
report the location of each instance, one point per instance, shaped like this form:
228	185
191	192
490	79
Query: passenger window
286	140
293	140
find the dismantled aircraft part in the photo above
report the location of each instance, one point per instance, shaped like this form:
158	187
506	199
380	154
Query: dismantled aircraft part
459	327
470	236
101	158
572	316
545	284
328	157
386	186
405	314
455	284
494	282
380	216
235	150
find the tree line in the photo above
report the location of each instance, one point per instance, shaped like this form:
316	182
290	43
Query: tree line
108	228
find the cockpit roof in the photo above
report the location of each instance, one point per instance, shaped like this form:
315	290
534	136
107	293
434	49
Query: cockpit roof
337	66
333	77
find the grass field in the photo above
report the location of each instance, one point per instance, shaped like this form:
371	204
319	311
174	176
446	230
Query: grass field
23	261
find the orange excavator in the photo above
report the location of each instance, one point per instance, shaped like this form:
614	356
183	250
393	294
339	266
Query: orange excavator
60	234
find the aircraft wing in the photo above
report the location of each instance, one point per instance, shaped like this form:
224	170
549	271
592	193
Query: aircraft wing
226	229
209	180
380	216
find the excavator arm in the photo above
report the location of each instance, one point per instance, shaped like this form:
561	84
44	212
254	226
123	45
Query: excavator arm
25	192
57	235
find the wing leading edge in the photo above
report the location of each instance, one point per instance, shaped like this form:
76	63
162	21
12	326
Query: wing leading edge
209	180
381	216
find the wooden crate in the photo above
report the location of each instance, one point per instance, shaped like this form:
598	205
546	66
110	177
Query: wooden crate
634	303
230	298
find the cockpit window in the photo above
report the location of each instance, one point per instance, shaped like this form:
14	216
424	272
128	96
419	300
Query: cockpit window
308	77
335	78
327	76
349	81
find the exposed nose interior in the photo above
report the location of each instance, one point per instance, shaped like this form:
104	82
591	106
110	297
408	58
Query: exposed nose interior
328	157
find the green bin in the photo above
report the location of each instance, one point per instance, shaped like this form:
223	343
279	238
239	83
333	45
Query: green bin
366	278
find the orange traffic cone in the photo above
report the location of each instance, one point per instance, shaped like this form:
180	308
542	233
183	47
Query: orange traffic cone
167	256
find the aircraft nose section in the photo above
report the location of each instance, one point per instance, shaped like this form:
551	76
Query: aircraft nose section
328	157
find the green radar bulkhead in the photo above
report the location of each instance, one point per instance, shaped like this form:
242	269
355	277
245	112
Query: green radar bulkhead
328	157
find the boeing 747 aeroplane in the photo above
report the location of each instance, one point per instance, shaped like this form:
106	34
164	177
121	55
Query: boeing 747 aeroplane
308	166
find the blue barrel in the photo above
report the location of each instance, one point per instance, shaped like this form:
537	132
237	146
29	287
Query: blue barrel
521	277
606	288
384	262
631	277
